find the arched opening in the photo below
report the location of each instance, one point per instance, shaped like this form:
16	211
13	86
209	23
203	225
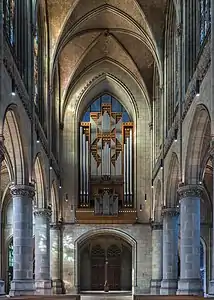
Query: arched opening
203	266
106	156
105	261
10	265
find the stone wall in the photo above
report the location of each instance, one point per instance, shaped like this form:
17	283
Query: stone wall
140	237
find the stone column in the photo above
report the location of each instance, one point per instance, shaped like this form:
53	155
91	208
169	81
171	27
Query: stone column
170	251
22	283
190	279
2	285
211	283
157	258
42	251
55	267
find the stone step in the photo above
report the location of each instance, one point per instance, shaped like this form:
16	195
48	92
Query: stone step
106	297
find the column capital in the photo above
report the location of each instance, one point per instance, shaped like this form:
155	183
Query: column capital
42	212
170	211
190	190
18	190
55	226
156	225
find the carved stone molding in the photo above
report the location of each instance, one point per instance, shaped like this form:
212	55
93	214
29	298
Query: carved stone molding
156	225
170	211
191	190
179	29
42	212
20	190
55	226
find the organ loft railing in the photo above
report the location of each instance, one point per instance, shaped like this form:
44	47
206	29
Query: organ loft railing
106	157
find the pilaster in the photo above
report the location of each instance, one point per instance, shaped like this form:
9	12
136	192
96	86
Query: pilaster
22	283
170	251
55	267
42	251
190	279
157	258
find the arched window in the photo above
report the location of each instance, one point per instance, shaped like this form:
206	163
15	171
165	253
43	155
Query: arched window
106	156
10	264
36	58
205	19
9	8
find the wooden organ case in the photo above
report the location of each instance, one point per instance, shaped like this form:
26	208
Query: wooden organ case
106	164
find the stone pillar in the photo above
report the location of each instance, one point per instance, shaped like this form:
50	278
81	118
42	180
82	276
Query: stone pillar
55	267
170	251
2	285
211	283
42	251
157	258
22	283
190	279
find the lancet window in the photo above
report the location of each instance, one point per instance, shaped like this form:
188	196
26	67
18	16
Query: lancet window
9	20
106	156
36	63
205	18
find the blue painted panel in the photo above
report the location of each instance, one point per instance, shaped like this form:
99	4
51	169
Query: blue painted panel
116	106
106	99
126	117
95	106
86	117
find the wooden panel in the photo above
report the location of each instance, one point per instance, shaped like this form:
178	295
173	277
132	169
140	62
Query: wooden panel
87	216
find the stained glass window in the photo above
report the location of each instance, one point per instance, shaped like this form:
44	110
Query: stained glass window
9	19
10	264
202	264
36	57
205	18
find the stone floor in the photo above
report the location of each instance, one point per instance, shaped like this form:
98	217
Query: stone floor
106	297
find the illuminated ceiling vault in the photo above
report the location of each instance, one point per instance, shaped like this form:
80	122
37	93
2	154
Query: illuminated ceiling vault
126	33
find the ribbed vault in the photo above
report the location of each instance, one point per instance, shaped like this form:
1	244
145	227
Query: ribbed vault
128	33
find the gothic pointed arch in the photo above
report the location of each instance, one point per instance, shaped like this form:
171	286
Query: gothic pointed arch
40	183
198	146
172	182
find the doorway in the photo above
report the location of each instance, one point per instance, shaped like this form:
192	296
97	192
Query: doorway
106	262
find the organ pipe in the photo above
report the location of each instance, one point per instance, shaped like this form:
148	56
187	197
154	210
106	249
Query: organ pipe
81	163
84	170
86	156
127	167
130	160
124	162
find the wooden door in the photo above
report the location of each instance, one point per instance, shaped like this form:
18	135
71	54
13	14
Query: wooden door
114	268
114	274
97	269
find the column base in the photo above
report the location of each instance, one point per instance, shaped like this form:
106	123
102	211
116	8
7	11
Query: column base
2	287
189	287
168	287
155	286
43	287
211	287
57	286
22	288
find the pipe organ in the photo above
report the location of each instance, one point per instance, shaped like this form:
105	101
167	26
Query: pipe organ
106	156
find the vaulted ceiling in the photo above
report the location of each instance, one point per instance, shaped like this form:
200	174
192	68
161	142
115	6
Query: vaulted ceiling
82	33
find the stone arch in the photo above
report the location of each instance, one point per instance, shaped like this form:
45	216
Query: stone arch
54	203
102	232
172	182
198	145
158	202
14	150
39	179
109	83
